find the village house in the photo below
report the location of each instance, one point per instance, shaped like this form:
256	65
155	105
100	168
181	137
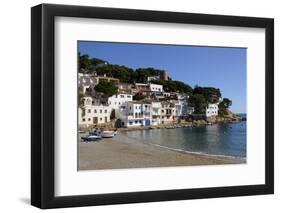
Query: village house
155	87
156	112
98	79
125	88
212	110
133	114
86	83
167	112
117	100
93	114
152	78
148	87
161	95
162	76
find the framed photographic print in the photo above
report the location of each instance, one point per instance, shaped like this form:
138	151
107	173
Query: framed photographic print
139	106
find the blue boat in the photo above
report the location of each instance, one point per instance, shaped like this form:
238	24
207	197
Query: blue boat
88	138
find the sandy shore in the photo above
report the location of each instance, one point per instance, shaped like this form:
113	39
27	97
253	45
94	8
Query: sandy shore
123	152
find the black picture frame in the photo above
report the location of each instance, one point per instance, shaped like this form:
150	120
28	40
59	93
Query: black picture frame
43	102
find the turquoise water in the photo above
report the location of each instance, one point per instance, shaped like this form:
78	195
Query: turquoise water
218	139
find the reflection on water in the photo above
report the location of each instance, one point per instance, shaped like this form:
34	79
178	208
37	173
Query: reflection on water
219	139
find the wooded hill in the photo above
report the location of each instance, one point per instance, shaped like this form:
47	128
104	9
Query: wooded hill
199	96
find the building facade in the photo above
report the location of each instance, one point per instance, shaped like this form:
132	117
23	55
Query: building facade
133	114
156	113
104	78
167	113
212	110
117	100
155	87
93	114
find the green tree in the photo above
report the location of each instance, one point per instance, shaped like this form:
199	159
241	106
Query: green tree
89	65
211	94
174	86
143	73
84	62
123	73
223	106
107	88
96	62
199	102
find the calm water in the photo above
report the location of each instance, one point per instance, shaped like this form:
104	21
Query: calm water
219	139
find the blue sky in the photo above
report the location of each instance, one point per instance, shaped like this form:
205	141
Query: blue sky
224	68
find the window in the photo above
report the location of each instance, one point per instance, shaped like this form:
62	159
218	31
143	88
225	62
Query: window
122	96
84	119
100	110
136	122
105	111
95	111
119	103
162	111
100	118
89	111
128	96
89	119
130	123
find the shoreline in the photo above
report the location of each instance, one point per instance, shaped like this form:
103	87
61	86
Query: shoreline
242	159
186	124
123	152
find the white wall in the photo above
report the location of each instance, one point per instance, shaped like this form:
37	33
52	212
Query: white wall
211	110
156	87
15	154
116	101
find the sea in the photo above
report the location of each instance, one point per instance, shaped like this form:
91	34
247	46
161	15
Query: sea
228	140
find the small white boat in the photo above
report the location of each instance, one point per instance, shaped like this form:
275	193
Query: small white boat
170	127
108	134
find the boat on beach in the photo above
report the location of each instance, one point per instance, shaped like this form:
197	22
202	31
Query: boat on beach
89	137
108	134
170	127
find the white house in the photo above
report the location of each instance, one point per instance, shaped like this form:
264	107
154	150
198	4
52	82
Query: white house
212	110
150	86
93	114
117	100
155	87
133	114
151	78
156	113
